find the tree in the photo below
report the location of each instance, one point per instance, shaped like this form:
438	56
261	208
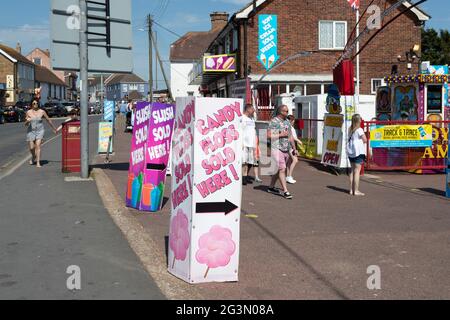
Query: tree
436	46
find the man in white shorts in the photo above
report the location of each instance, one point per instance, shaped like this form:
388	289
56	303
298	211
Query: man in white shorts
249	142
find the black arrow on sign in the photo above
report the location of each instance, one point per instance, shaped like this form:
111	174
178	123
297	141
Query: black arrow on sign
216	207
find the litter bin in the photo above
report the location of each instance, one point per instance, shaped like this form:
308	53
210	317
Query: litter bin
71	147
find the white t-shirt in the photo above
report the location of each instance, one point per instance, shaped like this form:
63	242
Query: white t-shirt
294	133
356	145
249	132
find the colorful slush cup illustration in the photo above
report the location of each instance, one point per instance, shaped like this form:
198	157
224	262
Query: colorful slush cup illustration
149	195
216	248
179	237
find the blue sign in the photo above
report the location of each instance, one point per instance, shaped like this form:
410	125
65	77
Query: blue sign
108	111
437	70
268	40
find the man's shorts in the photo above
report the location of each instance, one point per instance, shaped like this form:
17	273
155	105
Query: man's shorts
248	156
281	159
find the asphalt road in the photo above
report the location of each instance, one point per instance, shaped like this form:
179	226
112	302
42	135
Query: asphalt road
48	225
13	140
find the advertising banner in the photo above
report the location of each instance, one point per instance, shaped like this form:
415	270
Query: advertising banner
108	111
207	190
268	40
220	63
105	133
150	149
401	136
332	154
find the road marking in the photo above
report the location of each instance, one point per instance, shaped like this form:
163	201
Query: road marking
21	162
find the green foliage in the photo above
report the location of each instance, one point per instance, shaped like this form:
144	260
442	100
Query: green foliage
436	46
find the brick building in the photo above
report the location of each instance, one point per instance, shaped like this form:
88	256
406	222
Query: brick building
186	51
16	75
42	58
320	26
52	87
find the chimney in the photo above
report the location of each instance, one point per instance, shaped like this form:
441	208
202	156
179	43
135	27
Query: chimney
219	20
47	52
19	48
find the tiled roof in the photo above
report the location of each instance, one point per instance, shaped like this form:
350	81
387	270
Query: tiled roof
123	78
192	45
44	75
12	53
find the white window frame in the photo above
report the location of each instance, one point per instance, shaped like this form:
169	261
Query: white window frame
334	34
372	86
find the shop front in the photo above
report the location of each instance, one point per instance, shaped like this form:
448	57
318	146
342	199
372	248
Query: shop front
414	100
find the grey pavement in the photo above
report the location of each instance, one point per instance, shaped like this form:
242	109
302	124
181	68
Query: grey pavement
47	225
320	244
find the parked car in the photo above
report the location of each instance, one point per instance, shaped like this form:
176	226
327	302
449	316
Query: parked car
2	116
55	109
14	114
69	106
24	105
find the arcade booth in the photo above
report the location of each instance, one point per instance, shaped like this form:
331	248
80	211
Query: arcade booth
413	103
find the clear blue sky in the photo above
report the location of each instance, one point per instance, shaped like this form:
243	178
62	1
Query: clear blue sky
27	21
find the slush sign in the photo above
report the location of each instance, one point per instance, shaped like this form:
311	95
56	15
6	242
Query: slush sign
268	40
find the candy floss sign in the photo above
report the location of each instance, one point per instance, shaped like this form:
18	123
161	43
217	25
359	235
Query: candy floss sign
207	190
150	149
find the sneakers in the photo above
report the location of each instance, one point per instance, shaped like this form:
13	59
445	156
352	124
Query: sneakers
277	192
257	180
287	195
291	180
274	191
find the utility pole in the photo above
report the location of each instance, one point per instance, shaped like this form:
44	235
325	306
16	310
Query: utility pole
84	91
156	64
150	56
152	38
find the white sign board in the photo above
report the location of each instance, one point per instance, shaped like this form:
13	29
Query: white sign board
65	35
207	190
333	151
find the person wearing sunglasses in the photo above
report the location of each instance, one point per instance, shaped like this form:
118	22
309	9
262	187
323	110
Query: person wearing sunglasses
35	131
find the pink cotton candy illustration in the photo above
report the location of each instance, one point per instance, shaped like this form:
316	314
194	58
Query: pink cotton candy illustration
216	248
179	236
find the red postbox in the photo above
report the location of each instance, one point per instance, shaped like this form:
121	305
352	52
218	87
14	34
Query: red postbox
71	147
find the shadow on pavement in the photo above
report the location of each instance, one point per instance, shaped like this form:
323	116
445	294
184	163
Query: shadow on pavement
338	189
320	167
113	166
166	241
319	276
434	191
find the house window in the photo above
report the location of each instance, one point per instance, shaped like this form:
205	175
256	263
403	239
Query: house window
133	87
235	40
332	35
376	83
37	61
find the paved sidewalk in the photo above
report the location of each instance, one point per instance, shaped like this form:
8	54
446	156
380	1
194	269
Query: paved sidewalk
319	245
48	225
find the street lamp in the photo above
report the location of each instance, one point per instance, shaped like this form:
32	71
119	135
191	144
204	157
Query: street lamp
411	56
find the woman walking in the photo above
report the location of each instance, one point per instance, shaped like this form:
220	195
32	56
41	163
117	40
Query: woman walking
35	132
356	151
